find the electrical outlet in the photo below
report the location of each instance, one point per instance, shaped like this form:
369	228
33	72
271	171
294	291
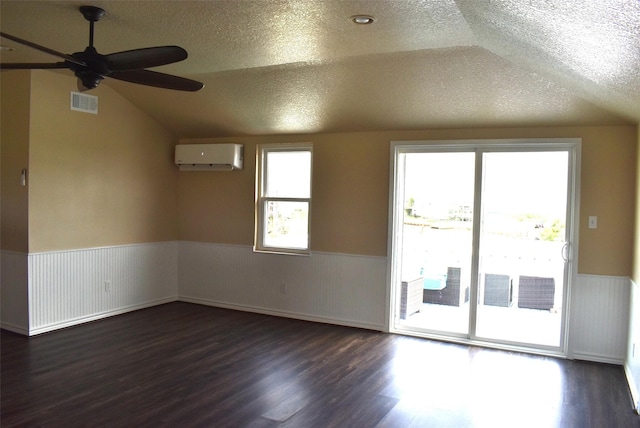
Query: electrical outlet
107	286
283	288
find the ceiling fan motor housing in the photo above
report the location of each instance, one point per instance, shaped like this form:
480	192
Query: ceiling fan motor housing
92	13
95	69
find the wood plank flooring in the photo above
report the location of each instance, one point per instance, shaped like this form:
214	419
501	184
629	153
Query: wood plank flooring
184	365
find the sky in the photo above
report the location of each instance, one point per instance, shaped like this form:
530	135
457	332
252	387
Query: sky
513	182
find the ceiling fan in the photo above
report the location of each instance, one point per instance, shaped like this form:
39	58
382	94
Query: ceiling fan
91	68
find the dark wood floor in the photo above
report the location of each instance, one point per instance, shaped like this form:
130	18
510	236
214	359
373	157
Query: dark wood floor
185	365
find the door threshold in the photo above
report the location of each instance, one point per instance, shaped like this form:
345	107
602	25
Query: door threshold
464	340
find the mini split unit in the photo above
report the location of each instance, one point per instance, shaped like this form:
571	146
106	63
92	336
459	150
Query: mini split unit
209	157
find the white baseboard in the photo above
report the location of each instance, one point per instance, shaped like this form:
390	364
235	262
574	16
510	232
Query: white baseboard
633	389
95	317
283	314
597	358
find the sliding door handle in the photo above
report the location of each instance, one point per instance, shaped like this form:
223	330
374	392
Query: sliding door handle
565	252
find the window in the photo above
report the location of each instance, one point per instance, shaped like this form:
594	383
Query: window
283	198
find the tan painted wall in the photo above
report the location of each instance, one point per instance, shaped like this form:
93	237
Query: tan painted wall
14	140
348	208
97	180
351	191
608	191
109	179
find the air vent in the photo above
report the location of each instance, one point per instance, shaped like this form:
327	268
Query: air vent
85	103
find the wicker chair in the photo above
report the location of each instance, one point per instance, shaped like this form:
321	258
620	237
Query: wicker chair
498	290
535	292
453	294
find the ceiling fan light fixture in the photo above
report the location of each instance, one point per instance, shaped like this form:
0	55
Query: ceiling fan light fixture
88	80
362	19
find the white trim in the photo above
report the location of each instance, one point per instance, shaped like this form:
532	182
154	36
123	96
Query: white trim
98	316
283	314
311	253
479	146
483	343
617	278
541	144
106	247
587	356
573	213
633	388
261	200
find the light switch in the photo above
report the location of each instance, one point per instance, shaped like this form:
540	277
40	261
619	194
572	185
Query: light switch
593	222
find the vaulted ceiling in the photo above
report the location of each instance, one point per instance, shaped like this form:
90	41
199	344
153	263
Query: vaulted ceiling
303	66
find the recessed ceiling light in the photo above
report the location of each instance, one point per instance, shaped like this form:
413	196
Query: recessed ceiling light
362	19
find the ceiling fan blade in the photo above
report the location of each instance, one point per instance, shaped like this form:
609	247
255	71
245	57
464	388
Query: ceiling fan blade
145	58
159	80
31	65
42	49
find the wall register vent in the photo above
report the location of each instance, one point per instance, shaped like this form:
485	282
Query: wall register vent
84	103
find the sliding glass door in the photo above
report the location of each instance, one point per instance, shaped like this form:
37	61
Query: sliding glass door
523	235
437	239
481	239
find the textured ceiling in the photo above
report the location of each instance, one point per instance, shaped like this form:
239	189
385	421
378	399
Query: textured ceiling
302	66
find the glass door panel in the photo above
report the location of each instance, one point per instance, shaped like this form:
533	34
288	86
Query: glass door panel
521	273
437	238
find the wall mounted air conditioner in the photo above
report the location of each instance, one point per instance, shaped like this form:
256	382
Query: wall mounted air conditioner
209	157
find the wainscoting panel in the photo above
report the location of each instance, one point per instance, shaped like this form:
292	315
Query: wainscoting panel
46	291
333	288
600	318
70	287
14	297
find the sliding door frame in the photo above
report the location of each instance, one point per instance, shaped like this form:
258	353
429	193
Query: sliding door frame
394	245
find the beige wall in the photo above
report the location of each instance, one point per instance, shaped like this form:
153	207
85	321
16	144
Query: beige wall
349	210
109	179
608	191
96	180
351	191
14	138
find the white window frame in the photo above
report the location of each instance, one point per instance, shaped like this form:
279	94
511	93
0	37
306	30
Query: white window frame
396	199
261	201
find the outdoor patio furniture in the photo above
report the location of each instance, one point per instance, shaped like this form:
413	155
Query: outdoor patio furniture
452	294
498	290
410	297
535	292
433	284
